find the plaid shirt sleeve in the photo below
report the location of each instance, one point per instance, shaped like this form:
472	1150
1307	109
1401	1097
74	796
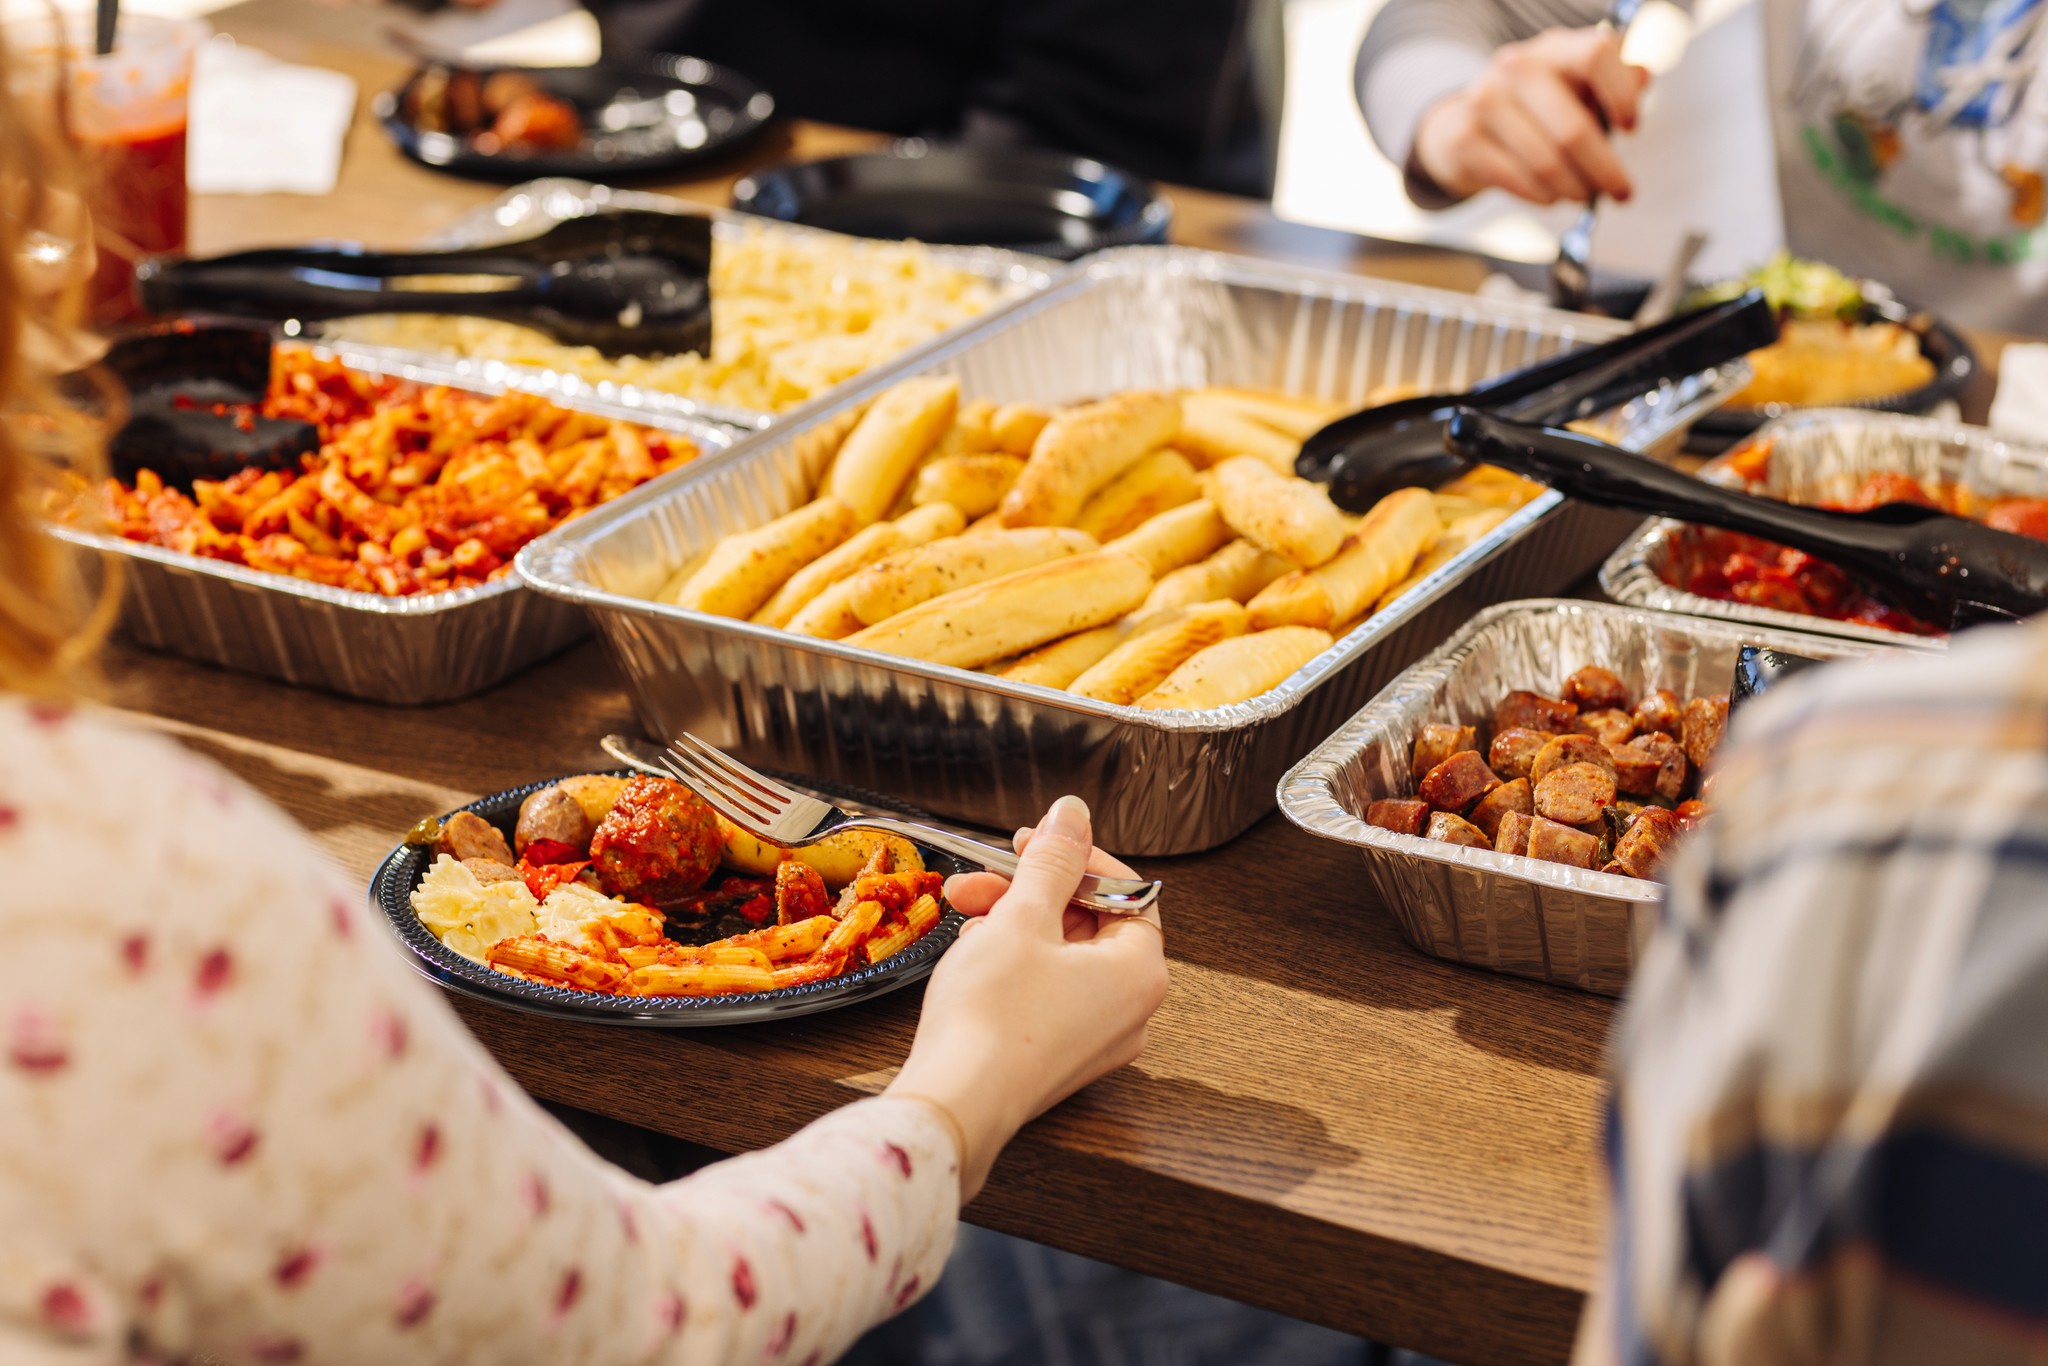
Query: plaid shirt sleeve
1829	1127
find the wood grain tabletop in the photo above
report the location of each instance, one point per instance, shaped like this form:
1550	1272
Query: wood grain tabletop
1325	1123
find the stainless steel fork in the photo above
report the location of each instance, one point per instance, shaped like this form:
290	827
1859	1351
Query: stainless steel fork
767	810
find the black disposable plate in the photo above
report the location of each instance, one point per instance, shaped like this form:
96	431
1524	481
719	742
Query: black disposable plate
1041	202
391	891
663	113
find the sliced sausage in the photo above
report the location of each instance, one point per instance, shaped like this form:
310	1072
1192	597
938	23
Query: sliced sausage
466	835
1672	768
1402	815
1610	727
1575	794
1457	830
1641	851
1513	835
552	814
1595	689
1533	711
1570	749
1458	782
1658	711
1437	742
1636	768
1555	843
1513	751
1700	726
1518	795
1690	814
489	870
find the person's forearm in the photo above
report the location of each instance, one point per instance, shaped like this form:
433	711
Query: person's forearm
1419	51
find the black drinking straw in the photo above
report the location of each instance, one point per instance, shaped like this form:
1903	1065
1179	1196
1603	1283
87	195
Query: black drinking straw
103	30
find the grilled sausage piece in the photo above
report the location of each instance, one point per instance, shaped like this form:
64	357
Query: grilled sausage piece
1402	815
1700	726
1690	814
1672	768
1575	794
1636	767
1438	742
1554	843
1458	782
1570	749
1507	798
466	835
552	814
1658	711
1513	751
488	871
1595	689
1513	835
1457	830
1533	711
1611	726
1641	851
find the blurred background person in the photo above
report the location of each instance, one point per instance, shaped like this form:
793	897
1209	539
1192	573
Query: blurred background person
1911	139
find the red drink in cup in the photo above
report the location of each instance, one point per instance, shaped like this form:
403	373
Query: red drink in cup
127	111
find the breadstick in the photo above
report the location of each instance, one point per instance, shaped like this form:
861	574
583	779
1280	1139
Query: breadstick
1290	517
1237	572
1143	661
910	577
1162	480
1374	557
1084	448
744	570
878	455
1212	431
1176	537
1001	617
1237	669
863	548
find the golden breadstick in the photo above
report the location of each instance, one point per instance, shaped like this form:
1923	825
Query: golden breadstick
973	483
827	616
1143	662
863	548
1237	571
744	570
1015	426
1176	537
1162	480
1493	486
1212	431
910	577
1237	669
1458	537
1374	557
1084	448
1060	663
1289	414
875	460
1288	516
1002	617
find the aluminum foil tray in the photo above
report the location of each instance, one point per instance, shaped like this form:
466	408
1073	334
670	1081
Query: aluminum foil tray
534	207
996	753
430	648
1823	456
1570	926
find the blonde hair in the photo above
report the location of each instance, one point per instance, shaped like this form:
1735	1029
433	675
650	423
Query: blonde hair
55	605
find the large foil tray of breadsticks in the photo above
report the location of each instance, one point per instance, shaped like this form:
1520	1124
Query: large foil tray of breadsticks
1578	922
1253	356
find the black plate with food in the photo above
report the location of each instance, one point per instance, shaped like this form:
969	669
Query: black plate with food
620	898
1041	202
611	119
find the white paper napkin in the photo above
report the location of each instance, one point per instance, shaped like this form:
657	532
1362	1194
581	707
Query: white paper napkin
262	126
2021	406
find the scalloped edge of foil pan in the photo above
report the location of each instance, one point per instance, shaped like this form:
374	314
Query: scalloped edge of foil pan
1694	396
1977	456
537	205
1503	912
216	593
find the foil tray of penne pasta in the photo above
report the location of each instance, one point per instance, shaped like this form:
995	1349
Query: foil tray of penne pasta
1572	737
1067	551
376	563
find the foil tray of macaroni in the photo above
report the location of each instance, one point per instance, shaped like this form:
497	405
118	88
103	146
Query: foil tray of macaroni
1570	926
995	753
403	650
1824	456
532	208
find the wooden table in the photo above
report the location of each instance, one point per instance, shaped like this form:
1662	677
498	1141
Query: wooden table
1325	1124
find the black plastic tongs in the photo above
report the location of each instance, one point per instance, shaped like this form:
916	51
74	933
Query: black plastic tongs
1943	569
1396	445
631	282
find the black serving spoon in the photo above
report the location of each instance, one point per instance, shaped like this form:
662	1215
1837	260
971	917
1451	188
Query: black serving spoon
1396	445
632	282
1938	567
